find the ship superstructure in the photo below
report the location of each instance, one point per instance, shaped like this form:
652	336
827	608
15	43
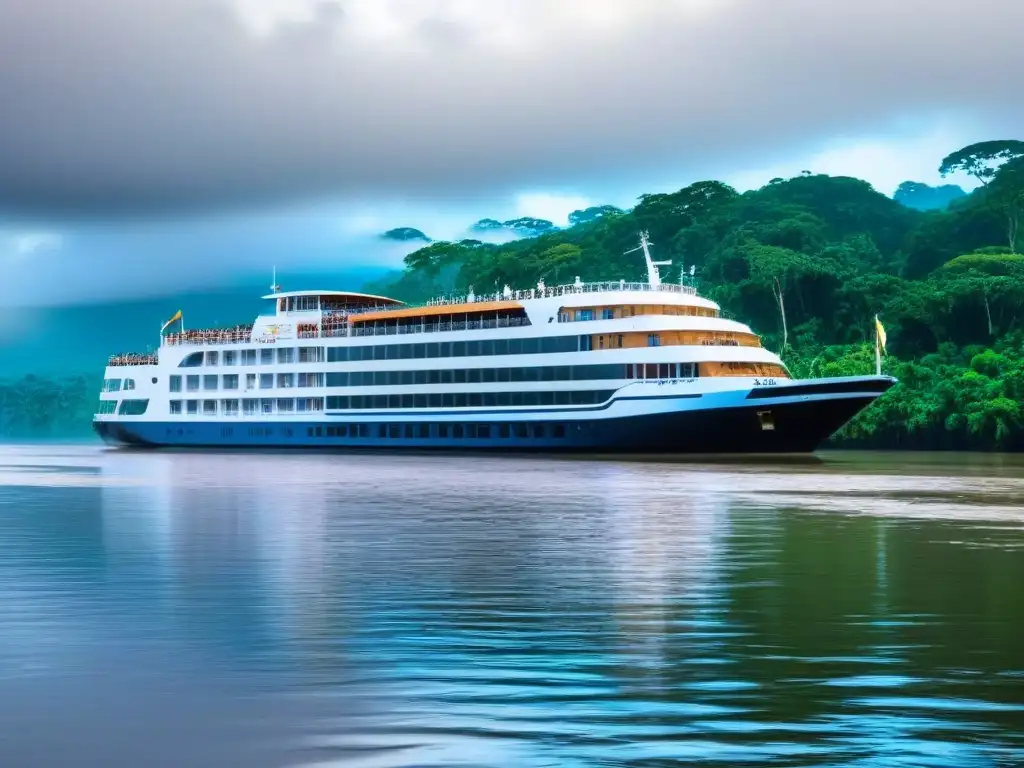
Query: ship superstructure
648	367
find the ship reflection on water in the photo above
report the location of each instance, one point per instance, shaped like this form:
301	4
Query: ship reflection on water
288	609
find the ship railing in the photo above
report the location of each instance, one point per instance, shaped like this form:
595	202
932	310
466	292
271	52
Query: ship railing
133	358
564	290
465	325
241	334
341	308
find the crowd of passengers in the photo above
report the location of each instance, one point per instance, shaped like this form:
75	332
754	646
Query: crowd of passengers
335	318
239	333
133	358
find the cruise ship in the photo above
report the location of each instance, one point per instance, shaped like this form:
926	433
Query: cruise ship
614	367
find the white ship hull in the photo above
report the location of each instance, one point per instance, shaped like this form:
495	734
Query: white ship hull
794	417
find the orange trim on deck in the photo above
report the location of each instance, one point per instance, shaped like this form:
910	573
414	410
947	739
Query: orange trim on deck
439	309
636	339
636	310
743	369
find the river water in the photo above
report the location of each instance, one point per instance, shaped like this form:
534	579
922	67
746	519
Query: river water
189	609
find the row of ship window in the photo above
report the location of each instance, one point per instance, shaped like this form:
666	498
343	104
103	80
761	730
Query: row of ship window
487	347
612	371
116	385
470	399
278	405
286	405
442	430
126	407
211	382
423	430
265	356
247	407
230	381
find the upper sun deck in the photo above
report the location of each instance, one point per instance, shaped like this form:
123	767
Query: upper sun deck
332	314
289	302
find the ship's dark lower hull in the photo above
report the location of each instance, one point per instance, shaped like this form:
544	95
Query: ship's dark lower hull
776	422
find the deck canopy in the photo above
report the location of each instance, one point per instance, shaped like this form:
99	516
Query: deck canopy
329	301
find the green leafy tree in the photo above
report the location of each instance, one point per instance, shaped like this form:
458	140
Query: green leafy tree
593	213
982	160
1006	194
990	281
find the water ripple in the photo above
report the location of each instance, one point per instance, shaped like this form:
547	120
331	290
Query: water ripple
376	610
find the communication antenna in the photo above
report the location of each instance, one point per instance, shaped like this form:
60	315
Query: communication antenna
274	287
653	276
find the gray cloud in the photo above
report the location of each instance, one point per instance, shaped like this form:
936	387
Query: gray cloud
116	107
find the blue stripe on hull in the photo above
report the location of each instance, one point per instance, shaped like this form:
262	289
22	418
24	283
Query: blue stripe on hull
799	427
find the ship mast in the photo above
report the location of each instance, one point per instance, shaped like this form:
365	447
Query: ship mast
653	276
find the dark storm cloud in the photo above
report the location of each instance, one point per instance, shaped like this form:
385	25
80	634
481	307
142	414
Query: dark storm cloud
120	107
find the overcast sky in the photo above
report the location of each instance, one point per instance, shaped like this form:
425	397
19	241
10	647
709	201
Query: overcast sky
173	143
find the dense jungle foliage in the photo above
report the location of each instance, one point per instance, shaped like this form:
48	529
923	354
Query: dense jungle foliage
947	283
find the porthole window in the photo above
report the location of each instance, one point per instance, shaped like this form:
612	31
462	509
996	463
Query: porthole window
154	379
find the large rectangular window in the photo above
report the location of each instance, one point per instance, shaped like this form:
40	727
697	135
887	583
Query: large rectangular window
311	354
211	358
174	383
248	357
266	357
210	382
230	357
266	381
175	406
114	385
286	355
286	380
132	407
231	381
229	407
311	380
209	407
192	383
309	404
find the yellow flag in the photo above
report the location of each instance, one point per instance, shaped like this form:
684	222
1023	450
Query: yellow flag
880	331
174	319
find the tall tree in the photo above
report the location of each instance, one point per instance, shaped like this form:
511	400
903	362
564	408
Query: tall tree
1006	194
989	278
982	160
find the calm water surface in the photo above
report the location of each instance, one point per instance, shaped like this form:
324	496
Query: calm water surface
373	610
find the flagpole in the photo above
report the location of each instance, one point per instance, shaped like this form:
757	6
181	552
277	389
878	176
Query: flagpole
878	351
